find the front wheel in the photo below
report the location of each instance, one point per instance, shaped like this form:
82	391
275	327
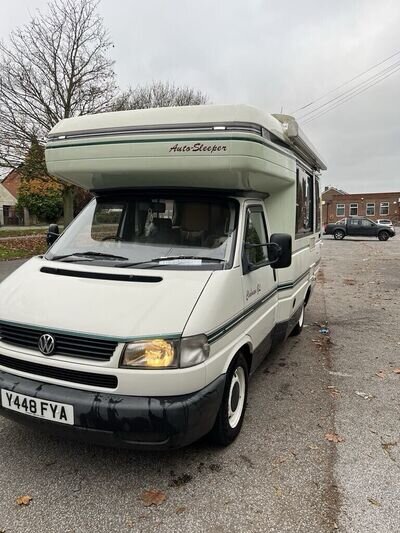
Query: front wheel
338	234
383	235
231	413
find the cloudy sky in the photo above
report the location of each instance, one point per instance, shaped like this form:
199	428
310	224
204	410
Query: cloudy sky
275	55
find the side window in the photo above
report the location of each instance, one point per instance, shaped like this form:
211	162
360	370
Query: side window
255	233
355	222
106	221
304	203
366	223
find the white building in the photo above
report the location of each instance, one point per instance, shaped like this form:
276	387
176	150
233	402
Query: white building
7	200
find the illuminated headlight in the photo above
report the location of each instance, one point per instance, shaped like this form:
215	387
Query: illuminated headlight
194	350
161	353
153	353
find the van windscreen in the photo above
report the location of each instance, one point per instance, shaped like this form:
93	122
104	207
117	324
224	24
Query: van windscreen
141	229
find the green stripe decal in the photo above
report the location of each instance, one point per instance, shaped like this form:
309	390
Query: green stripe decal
222	330
167	140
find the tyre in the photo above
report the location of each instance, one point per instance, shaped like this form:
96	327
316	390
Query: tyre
299	326
338	234
233	406
383	235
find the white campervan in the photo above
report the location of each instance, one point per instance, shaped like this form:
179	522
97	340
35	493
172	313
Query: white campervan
144	320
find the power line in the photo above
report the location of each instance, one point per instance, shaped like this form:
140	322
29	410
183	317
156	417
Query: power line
345	83
348	97
310	119
366	83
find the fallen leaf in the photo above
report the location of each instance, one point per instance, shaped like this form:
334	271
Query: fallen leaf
380	374
153	497
396	371
280	460
24	500
387	445
334	437
278	492
180	510
363	395
374	502
333	391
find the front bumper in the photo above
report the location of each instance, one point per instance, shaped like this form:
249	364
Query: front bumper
126	421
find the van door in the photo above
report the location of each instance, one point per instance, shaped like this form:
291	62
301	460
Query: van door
259	285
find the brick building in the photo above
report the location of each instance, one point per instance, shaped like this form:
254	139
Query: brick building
337	204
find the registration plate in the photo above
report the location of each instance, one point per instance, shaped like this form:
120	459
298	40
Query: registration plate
54	411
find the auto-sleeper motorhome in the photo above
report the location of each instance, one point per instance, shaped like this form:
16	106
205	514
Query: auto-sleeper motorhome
142	323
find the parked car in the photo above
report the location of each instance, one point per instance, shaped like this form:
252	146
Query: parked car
385	222
360	227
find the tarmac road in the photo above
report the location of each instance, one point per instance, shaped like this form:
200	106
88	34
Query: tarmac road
281	474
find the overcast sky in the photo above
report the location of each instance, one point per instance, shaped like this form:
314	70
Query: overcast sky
272	55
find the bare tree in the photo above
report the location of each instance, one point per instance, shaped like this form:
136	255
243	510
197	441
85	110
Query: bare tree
158	94
57	66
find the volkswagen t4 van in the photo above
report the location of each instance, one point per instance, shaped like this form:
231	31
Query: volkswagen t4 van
142	323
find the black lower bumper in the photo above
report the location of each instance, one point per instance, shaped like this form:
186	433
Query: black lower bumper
127	421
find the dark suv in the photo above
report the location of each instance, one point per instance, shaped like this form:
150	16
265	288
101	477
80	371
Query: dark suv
360	227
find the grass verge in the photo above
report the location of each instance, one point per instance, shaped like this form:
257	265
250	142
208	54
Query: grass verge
20	247
4	232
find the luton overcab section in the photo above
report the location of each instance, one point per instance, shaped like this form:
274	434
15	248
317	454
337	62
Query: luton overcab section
144	321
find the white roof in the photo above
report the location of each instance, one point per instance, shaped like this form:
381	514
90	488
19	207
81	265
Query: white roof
284	127
171	115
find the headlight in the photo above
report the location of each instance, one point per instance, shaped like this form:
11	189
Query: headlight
161	353
194	350
154	353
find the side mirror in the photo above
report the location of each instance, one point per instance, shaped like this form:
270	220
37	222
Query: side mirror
52	234
279	252
280	255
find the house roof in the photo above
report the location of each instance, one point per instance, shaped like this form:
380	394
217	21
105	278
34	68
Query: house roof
6	198
337	191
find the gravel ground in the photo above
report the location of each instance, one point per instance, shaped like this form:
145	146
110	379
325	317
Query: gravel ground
281	474
361	290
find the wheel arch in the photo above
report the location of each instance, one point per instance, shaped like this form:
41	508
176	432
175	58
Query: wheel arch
244	346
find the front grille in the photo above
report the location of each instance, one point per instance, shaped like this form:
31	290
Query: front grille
105	381
66	344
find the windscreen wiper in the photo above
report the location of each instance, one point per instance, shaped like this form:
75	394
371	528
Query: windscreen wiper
90	254
153	263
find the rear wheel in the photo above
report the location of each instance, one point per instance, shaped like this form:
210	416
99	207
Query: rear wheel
299	326
231	413
383	235
338	234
